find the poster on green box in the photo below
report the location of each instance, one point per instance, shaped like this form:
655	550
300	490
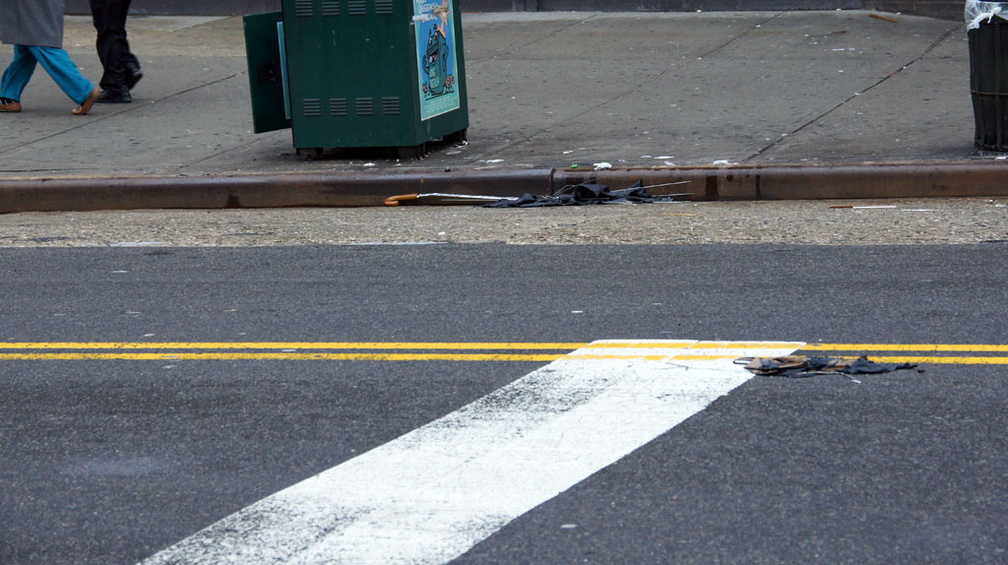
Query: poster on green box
436	57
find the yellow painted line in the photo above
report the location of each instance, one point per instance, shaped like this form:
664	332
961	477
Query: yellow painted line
97	356
748	345
677	344
929	347
650	357
698	357
288	345
943	360
690	344
453	351
488	345
279	356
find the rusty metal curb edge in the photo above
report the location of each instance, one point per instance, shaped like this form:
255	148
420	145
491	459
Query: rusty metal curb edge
253	191
912	180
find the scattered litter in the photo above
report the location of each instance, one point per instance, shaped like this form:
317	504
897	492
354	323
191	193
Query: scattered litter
588	194
723	162
493	160
568	526
603	166
851	207
393	244
800	366
884	18
442	198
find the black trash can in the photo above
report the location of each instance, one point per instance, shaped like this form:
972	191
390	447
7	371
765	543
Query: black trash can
988	47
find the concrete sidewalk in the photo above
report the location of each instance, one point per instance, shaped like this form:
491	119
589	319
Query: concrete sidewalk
838	104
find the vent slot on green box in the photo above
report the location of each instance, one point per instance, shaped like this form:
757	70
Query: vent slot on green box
390	105
304	8
311	107
330	8
338	107
357	7
365	106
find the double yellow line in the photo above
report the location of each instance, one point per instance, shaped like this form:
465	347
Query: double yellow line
282	351
962	354
918	353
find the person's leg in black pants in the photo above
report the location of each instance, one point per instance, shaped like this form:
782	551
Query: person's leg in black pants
121	68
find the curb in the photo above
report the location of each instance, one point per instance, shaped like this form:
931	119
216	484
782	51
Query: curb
805	182
253	191
810	182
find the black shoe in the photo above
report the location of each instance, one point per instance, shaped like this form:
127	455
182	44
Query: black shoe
110	97
133	76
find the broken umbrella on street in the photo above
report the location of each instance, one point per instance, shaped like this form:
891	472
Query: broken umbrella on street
800	366
584	194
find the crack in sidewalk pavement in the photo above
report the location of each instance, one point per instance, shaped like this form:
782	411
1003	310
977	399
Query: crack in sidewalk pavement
941	39
101	118
650	78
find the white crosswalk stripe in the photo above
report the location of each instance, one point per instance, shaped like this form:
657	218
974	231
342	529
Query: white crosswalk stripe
430	495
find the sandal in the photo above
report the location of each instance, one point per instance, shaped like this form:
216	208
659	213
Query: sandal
9	105
86	106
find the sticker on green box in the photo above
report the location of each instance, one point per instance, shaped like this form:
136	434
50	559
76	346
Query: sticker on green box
436	57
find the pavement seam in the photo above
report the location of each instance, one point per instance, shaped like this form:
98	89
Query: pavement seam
738	37
646	80
944	37
103	117
552	34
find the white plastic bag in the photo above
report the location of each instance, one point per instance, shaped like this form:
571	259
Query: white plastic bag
977	12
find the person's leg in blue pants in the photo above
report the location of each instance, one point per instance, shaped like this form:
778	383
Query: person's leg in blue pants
18	73
57	63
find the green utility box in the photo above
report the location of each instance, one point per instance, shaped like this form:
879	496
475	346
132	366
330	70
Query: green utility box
359	73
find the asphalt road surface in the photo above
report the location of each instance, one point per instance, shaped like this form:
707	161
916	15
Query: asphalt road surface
148	392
